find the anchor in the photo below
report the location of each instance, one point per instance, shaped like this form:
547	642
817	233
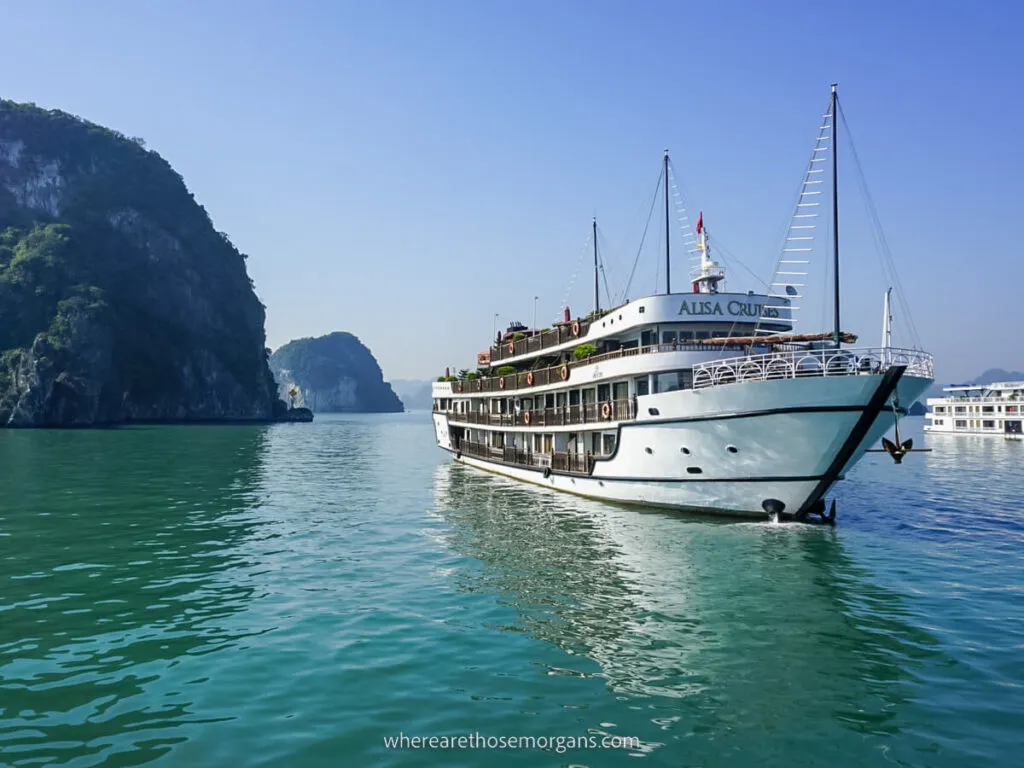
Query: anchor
900	448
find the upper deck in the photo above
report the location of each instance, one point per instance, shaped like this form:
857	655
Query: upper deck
690	310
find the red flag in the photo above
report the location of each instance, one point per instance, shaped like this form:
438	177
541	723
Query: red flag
700	222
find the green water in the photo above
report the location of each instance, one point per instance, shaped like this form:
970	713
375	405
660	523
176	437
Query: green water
293	595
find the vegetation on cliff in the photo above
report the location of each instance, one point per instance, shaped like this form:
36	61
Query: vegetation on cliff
335	373
119	300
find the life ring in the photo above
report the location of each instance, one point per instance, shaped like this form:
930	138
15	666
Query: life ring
526	417
460	386
564	373
547	472
501	382
511	347
575	327
529	378
606	411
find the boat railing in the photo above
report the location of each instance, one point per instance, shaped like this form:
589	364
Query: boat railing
563	373
793	364
559	461
587	413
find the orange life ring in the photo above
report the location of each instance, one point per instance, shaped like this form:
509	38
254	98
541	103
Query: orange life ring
606	411
511	347
575	327
501	382
564	373
529	378
526	417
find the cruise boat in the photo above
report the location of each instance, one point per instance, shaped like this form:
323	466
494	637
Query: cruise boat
992	409
702	400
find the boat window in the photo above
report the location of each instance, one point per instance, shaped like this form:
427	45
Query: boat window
940	409
686	335
608	444
988	424
588	395
668	337
719	334
673	380
574	397
641	385
645	338
620	390
702	335
961	424
603	392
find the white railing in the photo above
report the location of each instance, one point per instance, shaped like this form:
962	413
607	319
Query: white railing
817	362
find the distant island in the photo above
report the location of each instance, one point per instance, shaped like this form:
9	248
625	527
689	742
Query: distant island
415	394
335	373
119	300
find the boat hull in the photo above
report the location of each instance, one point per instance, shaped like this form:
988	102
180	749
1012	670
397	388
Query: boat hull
734	449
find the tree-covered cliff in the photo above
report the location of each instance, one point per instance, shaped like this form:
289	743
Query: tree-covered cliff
119	300
333	373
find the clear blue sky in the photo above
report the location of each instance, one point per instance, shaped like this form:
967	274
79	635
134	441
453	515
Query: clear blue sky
404	170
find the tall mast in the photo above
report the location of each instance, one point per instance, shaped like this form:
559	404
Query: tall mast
597	299
835	208
886	327
668	266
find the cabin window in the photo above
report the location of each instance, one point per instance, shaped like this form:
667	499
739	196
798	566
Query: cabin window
702	335
960	424
620	390
498	439
607	444
588	396
988	424
939	422
986	409
595	442
959	409
719	334
574	397
1011	409
668	337
641	385
940	409
686	336
537	443
673	380
645	338
549	400
603	392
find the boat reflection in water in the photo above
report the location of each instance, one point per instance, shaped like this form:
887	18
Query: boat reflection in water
722	627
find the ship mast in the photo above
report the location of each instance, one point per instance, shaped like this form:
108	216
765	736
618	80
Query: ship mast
597	299
668	266
835	210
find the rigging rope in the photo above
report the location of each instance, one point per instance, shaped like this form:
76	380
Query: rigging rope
639	250
885	255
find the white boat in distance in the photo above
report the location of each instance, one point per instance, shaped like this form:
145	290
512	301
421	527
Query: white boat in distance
995	409
703	400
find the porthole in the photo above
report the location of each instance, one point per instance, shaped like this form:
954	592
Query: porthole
620	317
642	310
685	450
648	450
694	470
653	411
732	449
601	483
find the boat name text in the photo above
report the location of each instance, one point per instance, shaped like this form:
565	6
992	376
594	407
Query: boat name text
734	308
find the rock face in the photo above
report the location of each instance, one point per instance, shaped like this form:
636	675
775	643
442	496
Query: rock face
333	373
119	301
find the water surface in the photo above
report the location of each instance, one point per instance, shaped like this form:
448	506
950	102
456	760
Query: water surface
294	594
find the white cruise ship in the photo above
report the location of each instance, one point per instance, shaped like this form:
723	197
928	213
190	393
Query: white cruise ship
991	409
704	400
